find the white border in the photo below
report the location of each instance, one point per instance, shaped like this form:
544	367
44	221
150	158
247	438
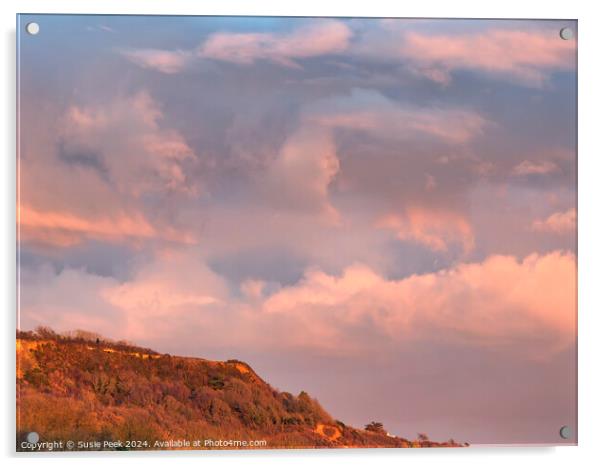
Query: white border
590	224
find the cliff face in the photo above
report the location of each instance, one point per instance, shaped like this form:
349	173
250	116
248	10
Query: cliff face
102	395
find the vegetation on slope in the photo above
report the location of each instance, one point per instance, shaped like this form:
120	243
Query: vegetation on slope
81	387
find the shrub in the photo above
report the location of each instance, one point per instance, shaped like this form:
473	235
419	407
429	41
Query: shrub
376	427
216	382
219	411
36	377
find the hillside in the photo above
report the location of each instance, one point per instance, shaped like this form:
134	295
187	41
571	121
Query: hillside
83	388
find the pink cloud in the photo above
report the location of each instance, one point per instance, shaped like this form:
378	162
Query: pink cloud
491	304
253	289
524	307
436	229
176	288
111	154
300	175
66	299
67	229
525	56
319	38
129	141
171	292
558	223
164	61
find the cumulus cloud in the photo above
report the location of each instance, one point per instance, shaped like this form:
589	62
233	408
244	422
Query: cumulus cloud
321	37
494	303
66	299
126	139
86	177
526	56
501	303
558	223
171	290
308	164
175	287
300	175
164	61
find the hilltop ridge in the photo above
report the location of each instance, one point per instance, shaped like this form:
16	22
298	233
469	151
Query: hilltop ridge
102	394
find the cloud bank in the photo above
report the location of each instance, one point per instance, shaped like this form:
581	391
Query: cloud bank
503	303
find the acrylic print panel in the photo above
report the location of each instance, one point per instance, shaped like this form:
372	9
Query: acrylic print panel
263	232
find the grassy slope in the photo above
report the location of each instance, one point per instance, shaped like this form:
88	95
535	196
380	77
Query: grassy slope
77	389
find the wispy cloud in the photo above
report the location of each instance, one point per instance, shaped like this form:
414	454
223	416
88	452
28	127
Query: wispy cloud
321	37
528	167
165	61
370	111
68	229
101	27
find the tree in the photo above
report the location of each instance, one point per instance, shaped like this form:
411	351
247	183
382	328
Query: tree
376	427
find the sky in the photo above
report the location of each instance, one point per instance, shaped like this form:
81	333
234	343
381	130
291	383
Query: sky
381	212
